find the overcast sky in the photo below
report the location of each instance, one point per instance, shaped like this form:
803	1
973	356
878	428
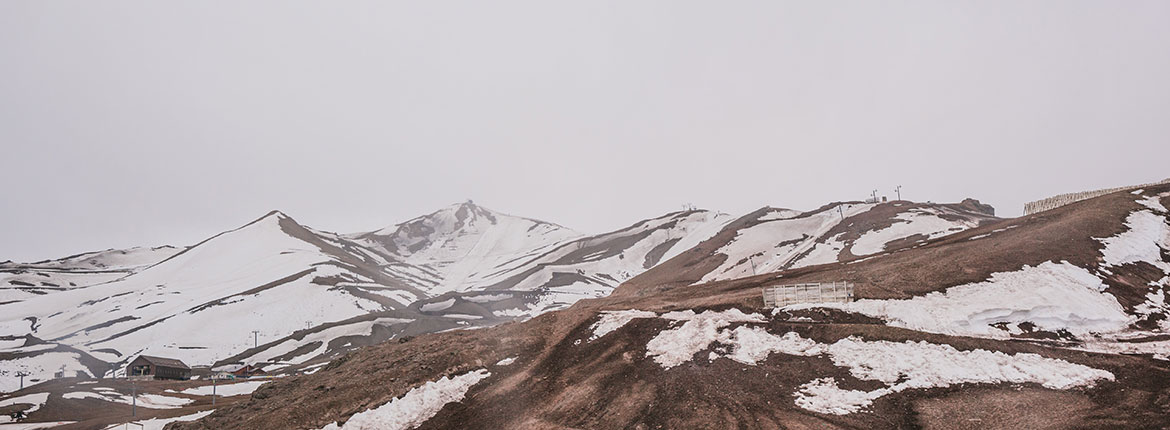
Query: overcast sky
149	123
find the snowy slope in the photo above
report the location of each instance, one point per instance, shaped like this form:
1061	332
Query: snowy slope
278	292
592	267
21	281
781	239
772	239
203	304
457	247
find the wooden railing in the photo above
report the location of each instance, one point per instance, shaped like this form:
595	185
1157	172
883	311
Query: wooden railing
783	295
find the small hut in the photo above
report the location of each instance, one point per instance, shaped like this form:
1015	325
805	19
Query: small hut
248	371
157	367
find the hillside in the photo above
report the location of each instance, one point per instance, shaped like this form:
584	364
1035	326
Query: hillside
770	239
949	330
291	298
22	281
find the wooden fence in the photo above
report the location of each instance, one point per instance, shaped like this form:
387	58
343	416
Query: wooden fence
821	292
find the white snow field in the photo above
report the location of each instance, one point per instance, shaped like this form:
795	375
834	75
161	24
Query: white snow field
783	238
778	239
1053	296
159	423
613	320
899	365
149	401
37	400
415	407
226	390
918	221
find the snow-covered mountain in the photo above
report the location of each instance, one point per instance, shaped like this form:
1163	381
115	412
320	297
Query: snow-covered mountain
588	267
772	239
21	281
1056	319
202	304
278	292
461	246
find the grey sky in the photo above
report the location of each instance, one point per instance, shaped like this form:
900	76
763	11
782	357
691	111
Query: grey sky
147	123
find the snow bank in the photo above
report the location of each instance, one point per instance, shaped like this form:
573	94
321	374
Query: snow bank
1148	234
414	408
908	365
676	346
437	306
824	396
226	390
1053	296
41	368
36	399
613	320
1154	202
149	401
899	365
907	224
506	362
780	238
31	426
754	344
159	423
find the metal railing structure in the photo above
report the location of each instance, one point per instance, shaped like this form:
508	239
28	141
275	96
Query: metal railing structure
820	292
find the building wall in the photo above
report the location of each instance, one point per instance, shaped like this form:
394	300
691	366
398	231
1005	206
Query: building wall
1070	198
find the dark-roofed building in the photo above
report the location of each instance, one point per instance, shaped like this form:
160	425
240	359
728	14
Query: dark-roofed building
158	367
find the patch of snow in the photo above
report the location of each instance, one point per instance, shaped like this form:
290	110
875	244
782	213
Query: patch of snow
486	298
32	426
226	390
510	313
757	249
1153	202
159	423
322	337
437	306
150	401
754	344
823	253
463	316
37	400
415	407
506	361
899	365
909	365
41	368
80	395
676	346
613	320
1053	296
824	396
907	224
1147	236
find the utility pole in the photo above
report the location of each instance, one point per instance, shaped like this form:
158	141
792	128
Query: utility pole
256	338
134	396
841	211
213	378
875	196
21	374
898	190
